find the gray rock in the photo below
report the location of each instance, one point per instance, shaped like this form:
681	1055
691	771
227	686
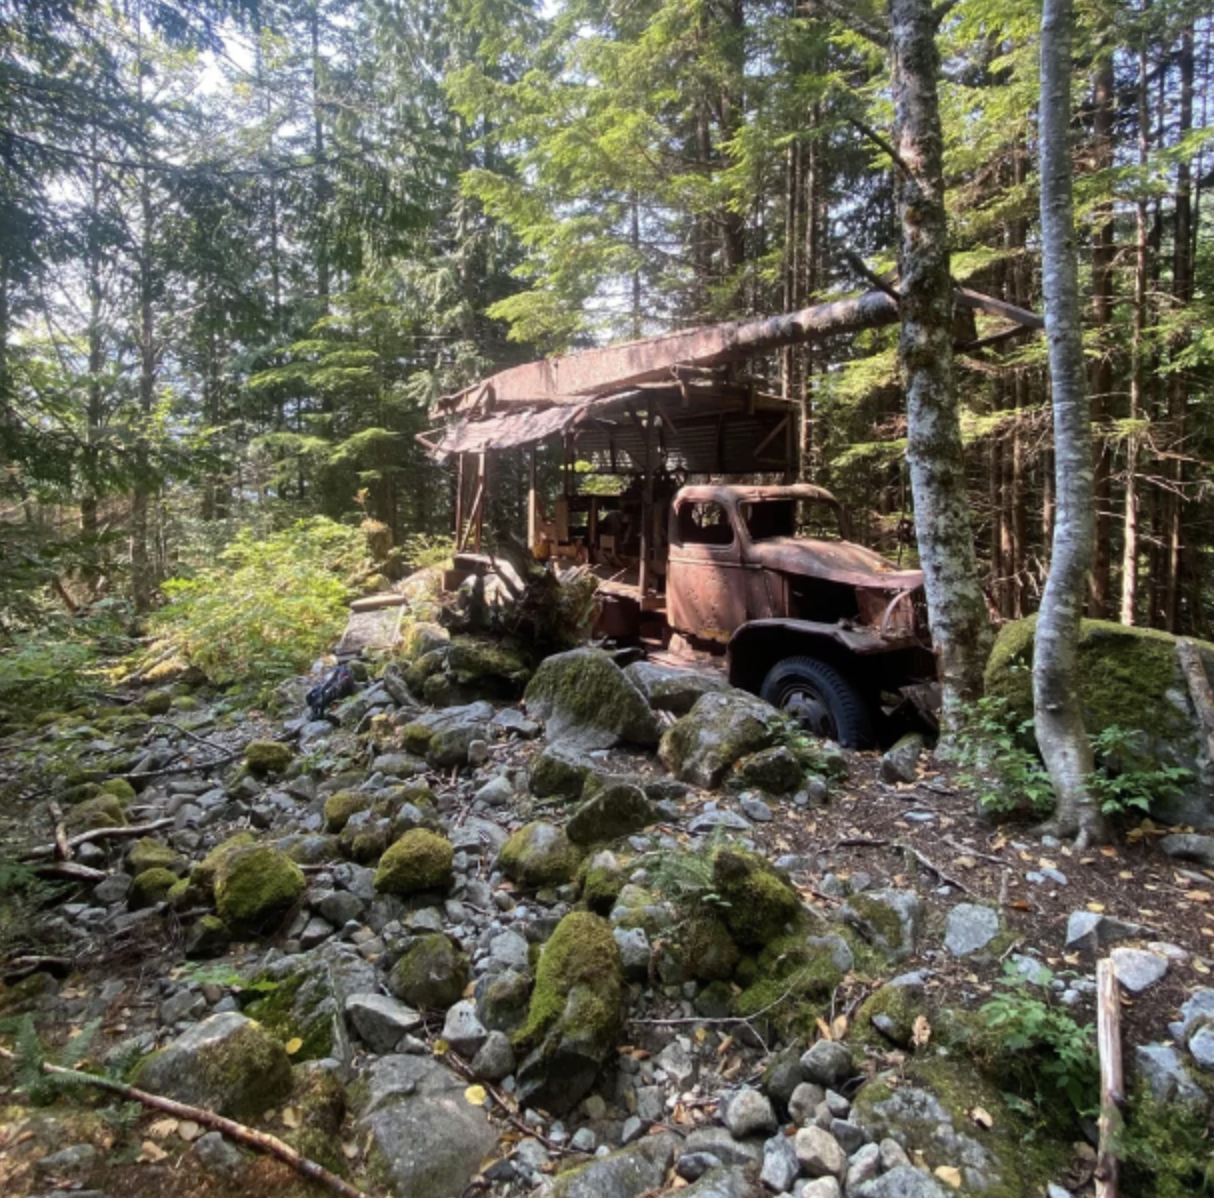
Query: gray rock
748	1113
427	1140
616	810
217	1154
1138	968
1201	1045
673	690
624	1174
869	915
805	1099
755	808
892	1155
710	820
1090	931
495	1058
497	792
780	1164
463	1030
724	1183
904	1181
227	1063
635	951
899	763
113	890
510	719
316	931
819	1153
586	701
863	1166
69	1160
381	1022
339	907
827	1063
821	1187
719	730
1197	1009
850	1137
719	1143
676	1062
1189	846
971	927
584	1140
693	1165
185	1005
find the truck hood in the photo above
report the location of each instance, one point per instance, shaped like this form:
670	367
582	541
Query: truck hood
833	561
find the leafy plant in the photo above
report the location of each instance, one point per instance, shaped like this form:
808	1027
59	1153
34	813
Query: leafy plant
1006	775
1043	1047
268	608
423	550
30	1053
1130	778
686	878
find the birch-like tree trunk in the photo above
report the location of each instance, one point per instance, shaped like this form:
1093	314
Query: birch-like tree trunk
956	606
1061	736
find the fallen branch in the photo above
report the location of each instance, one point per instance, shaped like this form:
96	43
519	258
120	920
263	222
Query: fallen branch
198	767
26	965
858	842
70	871
259	1140
1112	1083
965	850
931	867
62	850
97	834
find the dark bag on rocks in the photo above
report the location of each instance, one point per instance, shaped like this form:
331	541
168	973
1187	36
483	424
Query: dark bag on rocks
339	684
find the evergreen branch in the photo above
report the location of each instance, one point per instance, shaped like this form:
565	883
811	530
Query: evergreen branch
842	12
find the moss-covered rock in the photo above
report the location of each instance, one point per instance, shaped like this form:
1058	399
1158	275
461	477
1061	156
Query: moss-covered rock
887	1017
104	811
227	1064
761	902
707	951
311	850
150	887
267	757
502	1000
559	771
539	854
490	669
157	703
615	811
423	638
120	788
255	887
340	806
204	872
776	771
419	860
208	938
575	1013
601	878
791	984
297	1005
719	730
431	974
1129	678
889	920
147	853
584	699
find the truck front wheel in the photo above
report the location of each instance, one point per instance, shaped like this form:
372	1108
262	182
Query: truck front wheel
821	700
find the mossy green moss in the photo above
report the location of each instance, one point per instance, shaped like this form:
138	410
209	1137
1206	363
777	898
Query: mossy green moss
882	918
345	803
469	659
431	974
540	854
255	887
147	853
760	902
601	886
151	887
898	1004
204	872
791	983
287	1019
423	638
580	955
120	788
103	811
419	860
707	950
267	757
157	703
1165	1150
1124	675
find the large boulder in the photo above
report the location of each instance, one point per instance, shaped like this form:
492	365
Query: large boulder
759	902
255	887
426	1139
443	737
431	974
719	730
540	854
419	860
673	690
226	1063
639	1168
1129	678
617	810
559	771
586	700
575	1013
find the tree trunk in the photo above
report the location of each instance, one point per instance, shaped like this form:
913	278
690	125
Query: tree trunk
1103	254
1061	736
956	605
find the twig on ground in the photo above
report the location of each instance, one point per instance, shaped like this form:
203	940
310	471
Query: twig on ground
259	1140
97	834
70	871
196	767
858	842
965	849
62	851
933	868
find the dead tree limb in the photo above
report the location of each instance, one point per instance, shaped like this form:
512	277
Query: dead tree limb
96	834
932	867
1112	1083
62	850
70	871
259	1140
1200	690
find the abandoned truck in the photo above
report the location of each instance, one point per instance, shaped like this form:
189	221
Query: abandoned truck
821	627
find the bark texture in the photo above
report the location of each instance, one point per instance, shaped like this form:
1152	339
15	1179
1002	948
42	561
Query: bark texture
1061	736
956	606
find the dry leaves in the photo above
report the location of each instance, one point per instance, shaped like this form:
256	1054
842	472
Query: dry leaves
475	1095
151	1153
291	1117
921	1031
950	1175
293	1046
982	1117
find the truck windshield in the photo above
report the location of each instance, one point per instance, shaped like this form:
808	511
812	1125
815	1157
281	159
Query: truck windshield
813	518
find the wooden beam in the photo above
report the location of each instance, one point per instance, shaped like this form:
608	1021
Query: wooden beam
775	432
1112	1082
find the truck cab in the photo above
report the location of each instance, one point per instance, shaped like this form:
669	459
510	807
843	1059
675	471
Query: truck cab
817	625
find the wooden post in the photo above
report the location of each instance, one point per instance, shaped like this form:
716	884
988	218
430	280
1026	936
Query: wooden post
480	507
459	503
531	497
647	502
1112	1084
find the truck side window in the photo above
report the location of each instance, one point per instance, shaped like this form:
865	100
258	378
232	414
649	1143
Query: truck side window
704	524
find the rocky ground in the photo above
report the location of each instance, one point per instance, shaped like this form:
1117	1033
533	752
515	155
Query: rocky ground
635	934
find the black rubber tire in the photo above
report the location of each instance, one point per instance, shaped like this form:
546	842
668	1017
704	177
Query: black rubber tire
841	714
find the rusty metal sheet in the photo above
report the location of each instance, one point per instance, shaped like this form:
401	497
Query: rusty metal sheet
569	379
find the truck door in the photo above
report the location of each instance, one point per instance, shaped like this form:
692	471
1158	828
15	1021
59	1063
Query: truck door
705	583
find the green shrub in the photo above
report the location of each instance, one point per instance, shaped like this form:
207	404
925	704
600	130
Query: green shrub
269	606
